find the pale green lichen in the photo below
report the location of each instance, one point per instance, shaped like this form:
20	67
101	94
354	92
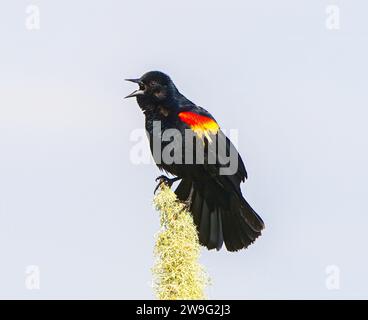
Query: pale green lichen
177	271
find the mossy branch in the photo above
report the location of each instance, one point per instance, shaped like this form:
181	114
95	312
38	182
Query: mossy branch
177	271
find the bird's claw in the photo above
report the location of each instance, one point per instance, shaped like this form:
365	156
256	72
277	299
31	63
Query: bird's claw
188	202
162	179
166	180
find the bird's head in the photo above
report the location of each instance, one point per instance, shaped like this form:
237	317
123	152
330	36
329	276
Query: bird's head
155	89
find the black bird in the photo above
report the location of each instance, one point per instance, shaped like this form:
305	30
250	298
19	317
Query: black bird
215	200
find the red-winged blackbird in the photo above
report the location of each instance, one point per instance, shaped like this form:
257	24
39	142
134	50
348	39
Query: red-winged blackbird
219	210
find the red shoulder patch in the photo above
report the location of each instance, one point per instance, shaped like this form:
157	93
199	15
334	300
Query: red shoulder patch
201	125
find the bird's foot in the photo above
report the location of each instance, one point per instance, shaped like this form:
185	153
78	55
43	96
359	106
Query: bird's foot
166	180
188	202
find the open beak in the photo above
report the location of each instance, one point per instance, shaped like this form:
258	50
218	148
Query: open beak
135	93
133	80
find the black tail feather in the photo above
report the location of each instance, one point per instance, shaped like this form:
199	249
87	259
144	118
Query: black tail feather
214	230
220	239
196	208
204	227
237	224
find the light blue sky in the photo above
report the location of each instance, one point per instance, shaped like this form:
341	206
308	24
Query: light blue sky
71	201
